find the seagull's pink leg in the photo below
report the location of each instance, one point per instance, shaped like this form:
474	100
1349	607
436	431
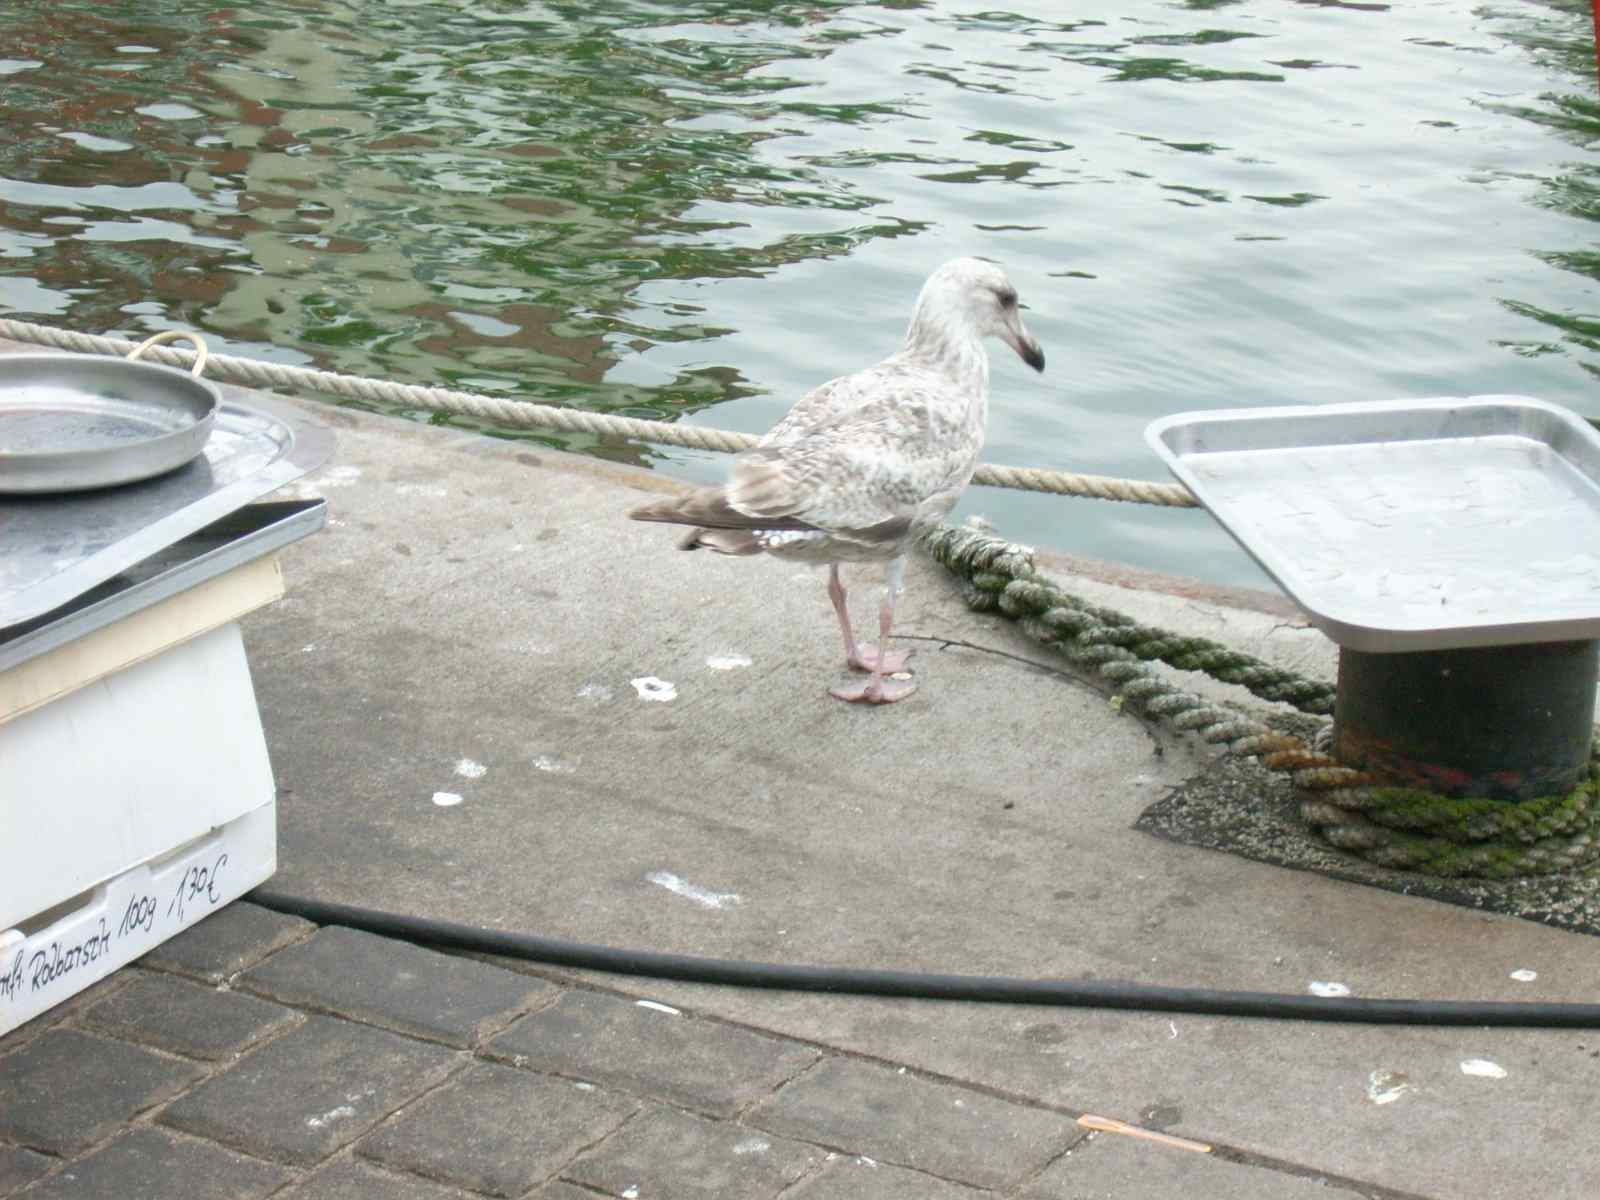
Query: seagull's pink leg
852	654
879	690
866	656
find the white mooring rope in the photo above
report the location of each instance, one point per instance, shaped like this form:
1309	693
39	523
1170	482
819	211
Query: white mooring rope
520	414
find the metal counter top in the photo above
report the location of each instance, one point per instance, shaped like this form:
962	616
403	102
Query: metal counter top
58	547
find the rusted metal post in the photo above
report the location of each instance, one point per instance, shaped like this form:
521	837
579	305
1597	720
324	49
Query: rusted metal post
1509	722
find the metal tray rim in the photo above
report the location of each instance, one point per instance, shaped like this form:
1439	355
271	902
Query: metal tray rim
278	530
1157	432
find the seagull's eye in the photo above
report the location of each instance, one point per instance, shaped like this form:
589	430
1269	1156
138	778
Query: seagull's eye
1008	299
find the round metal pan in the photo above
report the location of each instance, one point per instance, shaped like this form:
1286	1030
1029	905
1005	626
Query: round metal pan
73	422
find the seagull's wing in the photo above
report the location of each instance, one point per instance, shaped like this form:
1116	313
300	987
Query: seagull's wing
830	401
866	459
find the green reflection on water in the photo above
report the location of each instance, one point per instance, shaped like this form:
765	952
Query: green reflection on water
662	208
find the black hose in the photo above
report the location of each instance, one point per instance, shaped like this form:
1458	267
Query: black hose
918	985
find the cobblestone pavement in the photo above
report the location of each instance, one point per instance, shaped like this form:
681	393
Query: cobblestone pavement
258	1055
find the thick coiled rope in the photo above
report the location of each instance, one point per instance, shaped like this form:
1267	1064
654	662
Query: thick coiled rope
521	414
1403	828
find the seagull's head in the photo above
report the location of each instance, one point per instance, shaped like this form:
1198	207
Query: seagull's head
975	295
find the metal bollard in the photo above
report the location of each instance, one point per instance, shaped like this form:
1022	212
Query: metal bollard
1506	722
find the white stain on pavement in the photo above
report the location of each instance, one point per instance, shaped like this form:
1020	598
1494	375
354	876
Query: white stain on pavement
338	476
553	763
446	799
340	1112
329	1117
700	895
1483	1068
468	769
657	1006
651	688
1385	1087
728	662
1318	988
1523	975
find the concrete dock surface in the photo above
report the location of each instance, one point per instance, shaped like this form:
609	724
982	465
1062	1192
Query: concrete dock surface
492	699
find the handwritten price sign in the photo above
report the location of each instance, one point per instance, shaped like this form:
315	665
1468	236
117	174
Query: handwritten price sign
128	916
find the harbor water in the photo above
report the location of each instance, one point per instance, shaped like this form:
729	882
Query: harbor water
696	210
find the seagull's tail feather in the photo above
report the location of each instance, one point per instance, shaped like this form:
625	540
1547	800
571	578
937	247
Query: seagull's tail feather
723	541
676	511
719	527
708	506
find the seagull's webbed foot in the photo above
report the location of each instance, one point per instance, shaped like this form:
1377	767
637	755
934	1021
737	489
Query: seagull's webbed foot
875	691
879	689
868	658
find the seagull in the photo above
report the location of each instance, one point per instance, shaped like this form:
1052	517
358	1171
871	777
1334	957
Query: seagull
865	463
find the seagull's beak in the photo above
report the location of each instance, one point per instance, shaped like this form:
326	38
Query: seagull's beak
1015	335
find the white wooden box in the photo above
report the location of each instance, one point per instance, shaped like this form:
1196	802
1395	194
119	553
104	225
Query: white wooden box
134	799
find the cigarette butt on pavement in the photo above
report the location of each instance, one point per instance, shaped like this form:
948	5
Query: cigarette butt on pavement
1112	1125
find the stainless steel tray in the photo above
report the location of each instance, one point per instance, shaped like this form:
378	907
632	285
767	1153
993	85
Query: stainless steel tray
1409	524
242	536
74	422
55	548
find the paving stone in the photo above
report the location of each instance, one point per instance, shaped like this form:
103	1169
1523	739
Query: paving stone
225	942
303	1095
895	1117
399	986
671	1155
1111	1166
350	1179
19	1167
854	1177
153	1162
713	1068
185	1018
66	1090
498	1130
